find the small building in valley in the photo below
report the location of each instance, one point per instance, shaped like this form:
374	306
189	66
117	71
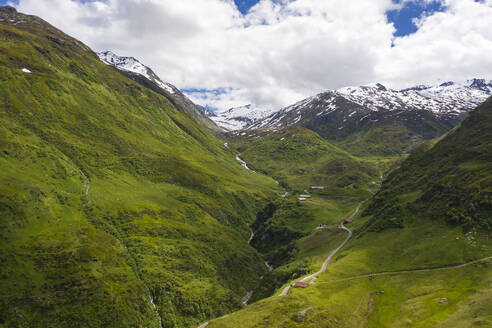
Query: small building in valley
318	187
348	220
302	199
305	196
300	284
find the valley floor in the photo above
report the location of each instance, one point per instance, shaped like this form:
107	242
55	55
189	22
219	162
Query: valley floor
424	299
384	281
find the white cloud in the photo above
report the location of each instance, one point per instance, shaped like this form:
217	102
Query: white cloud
281	51
448	45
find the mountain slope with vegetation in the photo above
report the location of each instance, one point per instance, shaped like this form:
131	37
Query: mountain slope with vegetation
450	180
421	251
119	209
111	199
142	74
299	158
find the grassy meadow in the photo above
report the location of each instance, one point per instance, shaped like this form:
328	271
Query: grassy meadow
299	158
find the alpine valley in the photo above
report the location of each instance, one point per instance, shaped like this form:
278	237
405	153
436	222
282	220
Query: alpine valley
125	204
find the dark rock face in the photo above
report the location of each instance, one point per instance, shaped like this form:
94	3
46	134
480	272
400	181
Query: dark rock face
447	84
481	84
8	9
347	117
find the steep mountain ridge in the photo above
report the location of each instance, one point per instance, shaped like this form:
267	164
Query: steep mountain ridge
131	64
450	180
118	209
142	74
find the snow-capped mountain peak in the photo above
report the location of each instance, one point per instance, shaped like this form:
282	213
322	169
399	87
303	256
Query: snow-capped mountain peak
130	64
136	71
238	118
124	63
448	100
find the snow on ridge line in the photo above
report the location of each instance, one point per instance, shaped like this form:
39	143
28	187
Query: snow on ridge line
166	86
444	99
238	118
130	64
438	99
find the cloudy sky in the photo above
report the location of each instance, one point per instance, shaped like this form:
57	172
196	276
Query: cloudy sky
271	53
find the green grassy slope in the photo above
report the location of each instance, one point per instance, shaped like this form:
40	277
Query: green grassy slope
352	294
167	210
299	158
407	226
178	99
454	298
383	140
449	181
295	237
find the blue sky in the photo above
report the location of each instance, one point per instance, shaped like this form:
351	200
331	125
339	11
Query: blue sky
402	19
245	5
272	58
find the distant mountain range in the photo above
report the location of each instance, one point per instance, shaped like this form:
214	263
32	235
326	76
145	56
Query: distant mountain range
447	102
425	110
370	119
239	118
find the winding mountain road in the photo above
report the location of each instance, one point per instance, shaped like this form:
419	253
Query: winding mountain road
285	291
390	273
328	259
